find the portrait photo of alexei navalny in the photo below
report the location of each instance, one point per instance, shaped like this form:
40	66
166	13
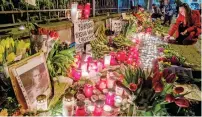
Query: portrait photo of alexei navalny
33	79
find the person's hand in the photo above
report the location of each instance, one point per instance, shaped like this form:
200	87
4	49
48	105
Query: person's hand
183	33
167	38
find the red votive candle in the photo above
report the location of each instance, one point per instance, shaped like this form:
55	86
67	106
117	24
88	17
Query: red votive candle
88	90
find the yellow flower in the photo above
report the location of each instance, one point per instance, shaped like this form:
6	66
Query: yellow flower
166	51
2	50
11	42
27	45
1	58
7	43
3	43
4	112
10	57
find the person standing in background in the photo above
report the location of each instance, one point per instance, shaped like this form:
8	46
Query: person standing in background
178	3
168	12
156	12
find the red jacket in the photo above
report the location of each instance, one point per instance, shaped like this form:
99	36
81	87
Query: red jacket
196	24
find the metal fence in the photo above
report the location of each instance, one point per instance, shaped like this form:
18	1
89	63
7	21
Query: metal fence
13	15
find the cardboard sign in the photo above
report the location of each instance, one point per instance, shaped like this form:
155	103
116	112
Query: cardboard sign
185	72
79	47
84	31
116	26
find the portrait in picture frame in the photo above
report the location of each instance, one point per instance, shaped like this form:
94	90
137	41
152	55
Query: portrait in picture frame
30	78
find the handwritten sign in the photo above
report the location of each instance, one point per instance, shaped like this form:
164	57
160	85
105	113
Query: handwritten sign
79	47
116	26
84	31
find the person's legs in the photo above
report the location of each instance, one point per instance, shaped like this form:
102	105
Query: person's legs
165	19
170	19
190	39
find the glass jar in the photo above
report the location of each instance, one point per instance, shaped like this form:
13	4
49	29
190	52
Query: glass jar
80	109
110	98
98	108
88	90
110	82
68	104
103	83
42	103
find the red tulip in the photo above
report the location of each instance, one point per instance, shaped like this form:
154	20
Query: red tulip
158	87
182	102
133	87
113	61
178	90
166	72
129	61
174	60
133	49
56	35
171	78
156	77
121	56
170	98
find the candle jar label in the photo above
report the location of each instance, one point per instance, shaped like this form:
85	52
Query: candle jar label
42	105
119	91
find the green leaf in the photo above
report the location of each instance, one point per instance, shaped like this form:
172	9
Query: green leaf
157	108
148	113
130	111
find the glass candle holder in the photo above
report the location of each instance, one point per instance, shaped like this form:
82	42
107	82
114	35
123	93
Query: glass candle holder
98	108
107	60
119	90
42	103
80	109
76	73
87	11
84	68
110	82
110	98
107	110
68	104
88	90
74	15
118	101
103	83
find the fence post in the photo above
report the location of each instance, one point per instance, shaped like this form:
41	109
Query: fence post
93	8
118	5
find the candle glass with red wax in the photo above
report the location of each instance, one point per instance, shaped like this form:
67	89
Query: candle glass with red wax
103	83
87	11
80	109
76	73
111	81
110	98
99	104
88	90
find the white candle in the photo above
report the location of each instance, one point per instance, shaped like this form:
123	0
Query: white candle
107	108
107	60
84	70
42	103
74	14
118	101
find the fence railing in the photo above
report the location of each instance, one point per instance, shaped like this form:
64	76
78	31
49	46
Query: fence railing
98	7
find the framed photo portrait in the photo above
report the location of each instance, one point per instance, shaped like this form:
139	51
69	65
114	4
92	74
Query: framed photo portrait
31	79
